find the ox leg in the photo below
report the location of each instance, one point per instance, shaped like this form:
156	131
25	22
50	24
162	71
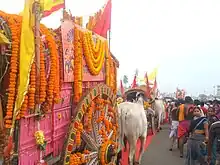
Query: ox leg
159	121
125	143
143	140
132	149
153	124
119	156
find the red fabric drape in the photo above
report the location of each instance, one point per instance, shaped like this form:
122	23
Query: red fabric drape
104	23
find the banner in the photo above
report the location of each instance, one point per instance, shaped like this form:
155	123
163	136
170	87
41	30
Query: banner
68	50
27	53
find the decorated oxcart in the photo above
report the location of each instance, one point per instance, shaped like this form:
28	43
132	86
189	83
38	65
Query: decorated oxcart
131	95
76	119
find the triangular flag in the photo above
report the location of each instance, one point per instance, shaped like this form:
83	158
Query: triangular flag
134	84
121	88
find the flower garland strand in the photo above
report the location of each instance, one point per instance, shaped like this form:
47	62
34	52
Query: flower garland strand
77	65
115	78
43	82
78	159
111	71
89	115
57	81
93	62
32	87
24	108
78	133
60	49
96	55
107	67
14	60
53	93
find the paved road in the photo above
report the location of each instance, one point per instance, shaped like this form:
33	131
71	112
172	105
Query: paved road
158	152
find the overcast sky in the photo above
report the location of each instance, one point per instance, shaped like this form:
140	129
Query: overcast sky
182	36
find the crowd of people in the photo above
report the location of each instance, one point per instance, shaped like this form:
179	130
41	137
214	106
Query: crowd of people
196	124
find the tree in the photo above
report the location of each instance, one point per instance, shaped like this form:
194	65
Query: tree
125	80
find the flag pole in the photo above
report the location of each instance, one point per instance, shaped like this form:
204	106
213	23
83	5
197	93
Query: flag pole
37	50
64	9
37	14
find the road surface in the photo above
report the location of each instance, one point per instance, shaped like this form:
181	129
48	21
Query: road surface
157	153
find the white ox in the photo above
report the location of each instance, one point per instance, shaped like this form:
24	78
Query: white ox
133	125
159	108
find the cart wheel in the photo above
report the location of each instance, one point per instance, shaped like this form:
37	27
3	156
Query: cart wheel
93	136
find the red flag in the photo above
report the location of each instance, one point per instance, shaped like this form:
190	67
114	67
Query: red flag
155	84
134	84
104	23
154	88
122	88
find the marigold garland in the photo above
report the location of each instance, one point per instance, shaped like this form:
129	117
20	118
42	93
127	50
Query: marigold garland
15	33
29	100
111	72
89	115
53	88
78	159
94	62
95	51
60	49
95	47
107	68
78	54
103	152
32	87
115	78
98	104
24	107
43	82
78	133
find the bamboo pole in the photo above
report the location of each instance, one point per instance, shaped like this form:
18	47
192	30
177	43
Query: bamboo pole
37	49
37	62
